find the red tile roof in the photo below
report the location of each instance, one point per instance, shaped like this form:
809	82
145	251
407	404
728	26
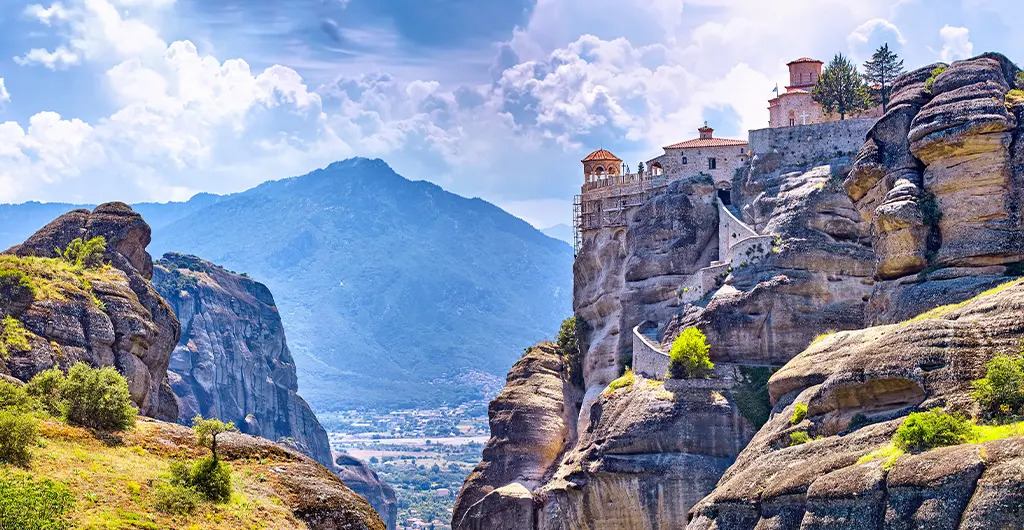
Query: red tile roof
601	155
707	142
804	60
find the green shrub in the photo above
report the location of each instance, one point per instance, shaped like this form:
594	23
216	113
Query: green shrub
689	357
15	399
15	288
13	337
45	388
625	381
569	346
30	504
799	413
18	431
176	499
1001	391
87	254
930	82
798	438
935	428
97	399
752	398
208	477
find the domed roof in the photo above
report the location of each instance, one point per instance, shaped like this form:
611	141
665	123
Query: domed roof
602	155
804	60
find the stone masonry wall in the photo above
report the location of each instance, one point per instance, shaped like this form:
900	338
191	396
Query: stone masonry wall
800	145
727	160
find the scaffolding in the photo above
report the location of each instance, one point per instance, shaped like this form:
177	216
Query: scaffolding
606	203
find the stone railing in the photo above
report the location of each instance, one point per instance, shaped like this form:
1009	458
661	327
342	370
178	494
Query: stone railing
648	359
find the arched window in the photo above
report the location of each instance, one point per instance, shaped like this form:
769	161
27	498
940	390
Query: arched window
600	171
657	170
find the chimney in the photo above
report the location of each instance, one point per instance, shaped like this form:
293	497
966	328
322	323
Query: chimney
706	132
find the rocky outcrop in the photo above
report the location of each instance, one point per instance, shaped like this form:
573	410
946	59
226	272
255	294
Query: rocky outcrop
941	179
109	316
233	363
646	456
858	386
361	479
532	421
626	275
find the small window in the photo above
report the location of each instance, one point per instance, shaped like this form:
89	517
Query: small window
792	122
684	160
712	163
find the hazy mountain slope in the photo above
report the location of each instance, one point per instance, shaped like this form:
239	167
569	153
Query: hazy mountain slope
560	231
386	286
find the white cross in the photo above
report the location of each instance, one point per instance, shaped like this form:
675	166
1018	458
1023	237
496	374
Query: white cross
804	116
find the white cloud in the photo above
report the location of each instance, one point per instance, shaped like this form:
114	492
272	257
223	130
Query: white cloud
862	34
956	43
5	97
61	57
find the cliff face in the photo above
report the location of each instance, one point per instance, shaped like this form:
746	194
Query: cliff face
941	179
858	386
110	316
233	363
361	479
927	212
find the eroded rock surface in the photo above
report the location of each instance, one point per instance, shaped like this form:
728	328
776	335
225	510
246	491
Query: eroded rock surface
858	386
233	363
940	179
114	319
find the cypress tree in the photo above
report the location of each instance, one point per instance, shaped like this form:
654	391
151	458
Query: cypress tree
841	88
880	72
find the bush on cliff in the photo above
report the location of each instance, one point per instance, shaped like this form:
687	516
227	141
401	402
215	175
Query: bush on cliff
15	288
799	413
689	357
569	347
1001	392
85	253
87	397
208	477
13	337
935	428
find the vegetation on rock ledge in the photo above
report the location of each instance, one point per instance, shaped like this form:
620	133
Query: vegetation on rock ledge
689	357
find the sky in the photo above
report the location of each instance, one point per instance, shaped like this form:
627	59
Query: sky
156	100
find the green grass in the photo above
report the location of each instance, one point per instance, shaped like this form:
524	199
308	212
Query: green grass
13	337
626	381
944	310
1014	97
889	453
821	336
980	434
56	279
930	82
799	413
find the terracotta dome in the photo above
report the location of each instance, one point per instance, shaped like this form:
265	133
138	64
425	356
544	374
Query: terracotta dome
602	155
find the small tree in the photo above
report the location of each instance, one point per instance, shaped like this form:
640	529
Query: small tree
208	429
640	168
689	357
1001	391
97	399
569	346
841	89
880	72
85	253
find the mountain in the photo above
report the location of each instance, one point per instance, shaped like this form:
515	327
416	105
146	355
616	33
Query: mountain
394	293
560	231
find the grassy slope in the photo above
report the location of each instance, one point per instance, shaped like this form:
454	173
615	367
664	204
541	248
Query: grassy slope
112	481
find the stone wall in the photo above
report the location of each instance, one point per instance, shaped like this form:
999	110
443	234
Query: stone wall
730	232
803	144
727	160
648	360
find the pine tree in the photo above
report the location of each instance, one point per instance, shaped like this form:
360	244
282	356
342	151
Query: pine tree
841	89
880	72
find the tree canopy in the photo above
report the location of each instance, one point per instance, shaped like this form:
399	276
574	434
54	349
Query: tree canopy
841	89
880	72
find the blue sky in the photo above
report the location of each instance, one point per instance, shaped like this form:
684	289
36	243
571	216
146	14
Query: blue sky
155	100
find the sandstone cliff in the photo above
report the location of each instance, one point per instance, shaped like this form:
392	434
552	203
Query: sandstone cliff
858	386
110	316
927	213
233	363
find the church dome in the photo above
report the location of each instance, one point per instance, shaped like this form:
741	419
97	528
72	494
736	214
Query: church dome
602	155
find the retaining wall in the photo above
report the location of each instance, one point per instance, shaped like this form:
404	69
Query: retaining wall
802	144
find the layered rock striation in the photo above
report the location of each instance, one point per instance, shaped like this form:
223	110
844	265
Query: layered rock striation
858	386
110	316
233	363
941	179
